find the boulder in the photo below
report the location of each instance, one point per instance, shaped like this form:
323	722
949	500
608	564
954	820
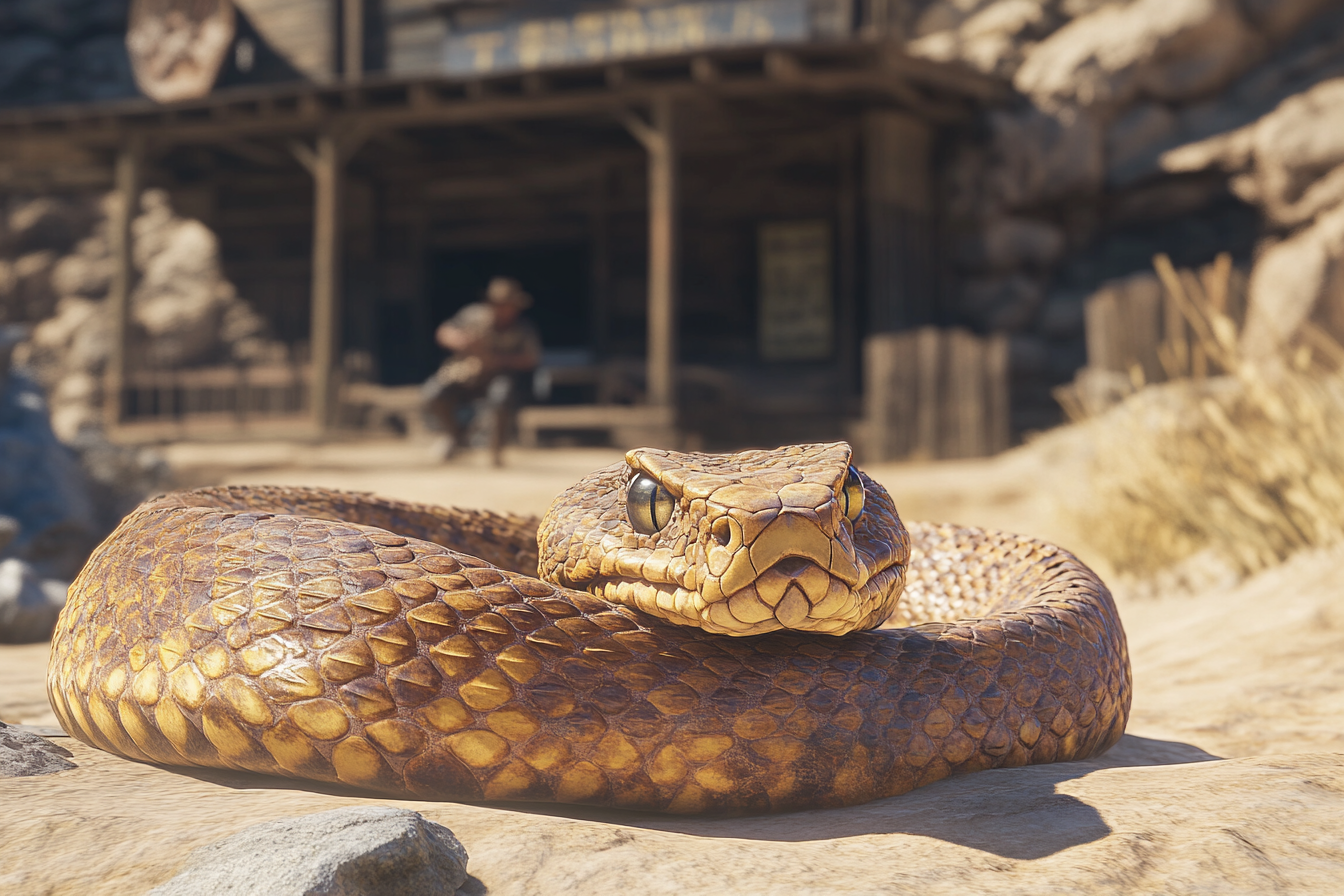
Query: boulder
1133	141
1174	50
25	755
48	222
182	302
85	272
1001	303
1290	162
1289	282
41	485
30	296
29	604
353	851
1279	18
1009	243
992	38
1038	157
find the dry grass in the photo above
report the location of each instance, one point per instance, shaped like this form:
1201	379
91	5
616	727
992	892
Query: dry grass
1247	464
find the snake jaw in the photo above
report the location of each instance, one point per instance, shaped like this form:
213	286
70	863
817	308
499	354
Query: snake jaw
757	542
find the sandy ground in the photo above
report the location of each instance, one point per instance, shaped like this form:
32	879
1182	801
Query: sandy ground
1231	778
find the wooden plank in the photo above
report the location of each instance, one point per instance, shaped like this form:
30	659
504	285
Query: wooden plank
929	352
127	178
998	401
966	388
1103	330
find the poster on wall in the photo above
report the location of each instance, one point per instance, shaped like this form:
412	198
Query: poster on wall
797	309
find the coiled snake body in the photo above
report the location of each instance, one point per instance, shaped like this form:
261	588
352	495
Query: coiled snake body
409	650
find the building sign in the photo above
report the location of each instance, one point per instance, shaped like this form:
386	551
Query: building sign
797	311
649	30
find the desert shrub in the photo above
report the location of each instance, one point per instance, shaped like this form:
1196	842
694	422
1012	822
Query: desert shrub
1247	463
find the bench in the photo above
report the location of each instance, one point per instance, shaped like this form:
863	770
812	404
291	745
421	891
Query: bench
624	426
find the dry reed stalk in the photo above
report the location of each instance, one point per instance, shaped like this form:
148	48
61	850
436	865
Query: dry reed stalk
1249	464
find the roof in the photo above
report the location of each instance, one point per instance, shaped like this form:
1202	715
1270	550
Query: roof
855	67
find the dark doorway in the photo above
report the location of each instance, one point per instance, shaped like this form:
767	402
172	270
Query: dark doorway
556	274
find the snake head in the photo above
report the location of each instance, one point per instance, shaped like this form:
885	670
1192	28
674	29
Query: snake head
739	544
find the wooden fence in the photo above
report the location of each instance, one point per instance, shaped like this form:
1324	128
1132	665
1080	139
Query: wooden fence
933	393
1137	332
237	391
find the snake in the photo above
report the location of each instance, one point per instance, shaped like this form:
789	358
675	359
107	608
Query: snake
680	633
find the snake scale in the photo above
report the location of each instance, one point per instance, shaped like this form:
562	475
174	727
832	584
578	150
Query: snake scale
411	650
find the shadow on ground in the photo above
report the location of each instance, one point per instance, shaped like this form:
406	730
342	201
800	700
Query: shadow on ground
1013	813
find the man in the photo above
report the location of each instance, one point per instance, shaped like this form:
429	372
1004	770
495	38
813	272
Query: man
494	349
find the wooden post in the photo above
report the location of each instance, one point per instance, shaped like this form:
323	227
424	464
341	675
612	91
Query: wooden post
325	162
325	322
127	187
659	139
352	18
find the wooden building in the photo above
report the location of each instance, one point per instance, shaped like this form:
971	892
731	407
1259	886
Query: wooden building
714	203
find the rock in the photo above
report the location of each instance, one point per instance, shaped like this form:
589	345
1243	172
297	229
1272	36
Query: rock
1001	303
46	223
1005	244
1159	49
1039	157
20	55
344	852
29	604
1291	161
1280	18
30	296
1289	281
1134	139
991	40
9	527
25	755
41	485
85	272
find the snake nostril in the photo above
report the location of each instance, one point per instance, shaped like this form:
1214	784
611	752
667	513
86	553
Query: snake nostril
721	532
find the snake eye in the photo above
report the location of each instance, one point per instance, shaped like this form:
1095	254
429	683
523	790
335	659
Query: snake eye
851	496
648	504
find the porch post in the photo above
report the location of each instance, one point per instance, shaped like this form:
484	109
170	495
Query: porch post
127	186
659	140
663	258
325	317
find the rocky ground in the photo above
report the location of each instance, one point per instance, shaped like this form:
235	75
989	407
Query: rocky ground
1231	779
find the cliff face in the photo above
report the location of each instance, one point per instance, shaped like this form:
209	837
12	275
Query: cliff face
1189	127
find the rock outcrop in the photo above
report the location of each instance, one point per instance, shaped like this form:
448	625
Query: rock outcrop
184	312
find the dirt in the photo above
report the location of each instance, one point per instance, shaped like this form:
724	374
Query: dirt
1230	780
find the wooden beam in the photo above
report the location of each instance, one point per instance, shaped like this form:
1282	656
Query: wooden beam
325	163
660	141
127	186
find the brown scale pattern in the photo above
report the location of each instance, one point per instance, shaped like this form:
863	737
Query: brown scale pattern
244	628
